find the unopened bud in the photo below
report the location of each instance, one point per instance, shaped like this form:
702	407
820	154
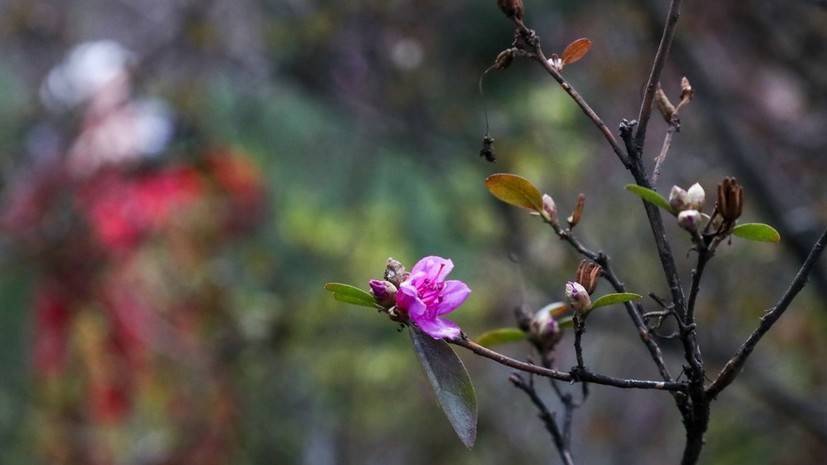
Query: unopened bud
730	199
578	211
578	297
544	331
686	90
678	199
513	9
689	220
395	272
695	197
383	291
549	209
665	107
588	274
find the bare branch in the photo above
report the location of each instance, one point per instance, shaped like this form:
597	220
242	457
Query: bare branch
575	375
654	74
546	416
736	363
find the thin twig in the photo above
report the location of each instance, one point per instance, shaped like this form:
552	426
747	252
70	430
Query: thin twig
654	75
664	151
532	40
736	363
546	416
575	375
579	329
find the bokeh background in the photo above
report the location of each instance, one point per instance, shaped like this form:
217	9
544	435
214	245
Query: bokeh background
179	178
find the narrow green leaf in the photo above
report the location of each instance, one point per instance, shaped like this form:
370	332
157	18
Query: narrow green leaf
500	336
515	190
351	294
756	232
611	299
451	384
567	322
650	196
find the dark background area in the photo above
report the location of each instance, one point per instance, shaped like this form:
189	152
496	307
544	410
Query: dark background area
357	125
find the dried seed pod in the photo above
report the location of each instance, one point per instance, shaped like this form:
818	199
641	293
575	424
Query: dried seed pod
513	9
588	274
665	107
578	211
730	199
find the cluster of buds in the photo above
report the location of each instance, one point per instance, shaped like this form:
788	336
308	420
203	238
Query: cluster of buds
688	205
550	213
384	290
730	200
665	106
584	284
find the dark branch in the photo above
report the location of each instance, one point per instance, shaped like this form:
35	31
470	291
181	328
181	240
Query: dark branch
654	74
546	416
736	363
574	376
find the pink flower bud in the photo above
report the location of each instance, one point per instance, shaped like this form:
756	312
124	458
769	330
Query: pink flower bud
678	199
695	197
549	209
544	330
578	296
383	291
689	220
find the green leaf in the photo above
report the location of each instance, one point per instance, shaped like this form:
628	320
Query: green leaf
500	336
757	232
351	294
650	196
611	299
515	190
451	384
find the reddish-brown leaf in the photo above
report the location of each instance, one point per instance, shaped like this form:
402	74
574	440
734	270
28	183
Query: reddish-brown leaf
576	50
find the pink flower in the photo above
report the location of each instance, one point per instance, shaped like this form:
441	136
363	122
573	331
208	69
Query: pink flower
426	295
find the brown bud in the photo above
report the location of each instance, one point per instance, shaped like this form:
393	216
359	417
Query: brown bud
730	199
395	272
578	211
504	59
665	107
513	9
686	90
588	273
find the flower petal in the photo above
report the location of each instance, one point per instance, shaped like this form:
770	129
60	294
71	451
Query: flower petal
453	295
438	328
408	299
435	268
